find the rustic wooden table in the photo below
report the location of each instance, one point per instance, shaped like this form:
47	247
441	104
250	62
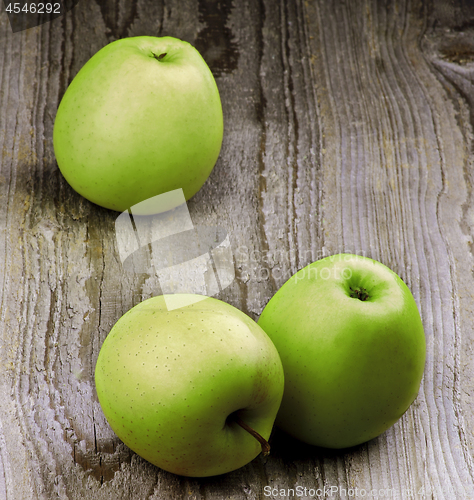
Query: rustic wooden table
348	127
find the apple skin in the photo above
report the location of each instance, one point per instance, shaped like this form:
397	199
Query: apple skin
169	382
352	367
132	125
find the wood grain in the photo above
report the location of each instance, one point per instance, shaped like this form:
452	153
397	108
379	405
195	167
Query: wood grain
348	127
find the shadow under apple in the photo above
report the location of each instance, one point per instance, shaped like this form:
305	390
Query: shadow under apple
289	450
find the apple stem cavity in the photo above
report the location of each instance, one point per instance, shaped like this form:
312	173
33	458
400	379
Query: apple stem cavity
359	293
255	434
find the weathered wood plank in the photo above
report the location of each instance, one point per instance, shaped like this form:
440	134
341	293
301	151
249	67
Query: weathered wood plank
395	193
348	127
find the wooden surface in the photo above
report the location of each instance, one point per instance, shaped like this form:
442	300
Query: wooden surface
348	127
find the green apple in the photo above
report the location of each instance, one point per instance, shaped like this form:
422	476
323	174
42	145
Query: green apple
194	390
142	117
352	344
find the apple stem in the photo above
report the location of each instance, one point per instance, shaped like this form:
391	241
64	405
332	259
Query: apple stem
160	57
359	293
255	434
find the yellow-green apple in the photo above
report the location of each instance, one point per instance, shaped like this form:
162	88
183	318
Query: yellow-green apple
142	117
352	345
194	390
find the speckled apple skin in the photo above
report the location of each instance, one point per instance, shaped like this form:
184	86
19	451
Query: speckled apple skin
352	367
167	382
131	126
